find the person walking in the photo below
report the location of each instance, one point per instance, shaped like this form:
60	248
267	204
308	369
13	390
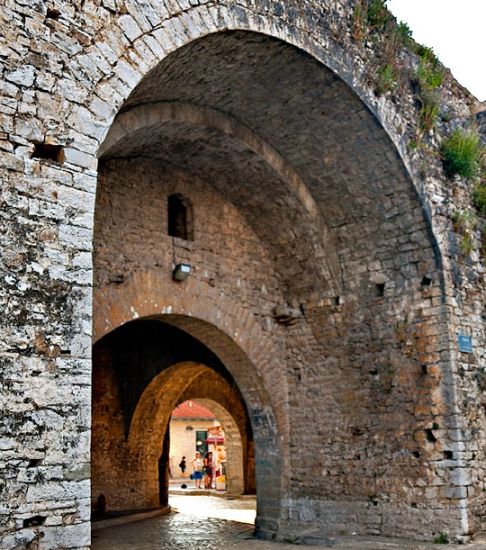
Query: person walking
182	466
197	470
208	470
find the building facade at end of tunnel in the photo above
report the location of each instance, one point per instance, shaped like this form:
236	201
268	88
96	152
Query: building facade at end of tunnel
227	202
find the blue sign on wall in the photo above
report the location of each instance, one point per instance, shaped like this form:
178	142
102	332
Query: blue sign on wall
465	343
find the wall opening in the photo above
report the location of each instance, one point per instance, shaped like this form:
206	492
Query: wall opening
180	217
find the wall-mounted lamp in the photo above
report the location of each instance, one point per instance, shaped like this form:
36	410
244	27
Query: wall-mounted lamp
181	272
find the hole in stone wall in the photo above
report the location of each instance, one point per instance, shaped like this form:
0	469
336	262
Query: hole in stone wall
52	13
180	217
117	278
34	521
337	300
34	462
373	500
429	434
448	455
380	289
416	454
423	369
48	151
426	280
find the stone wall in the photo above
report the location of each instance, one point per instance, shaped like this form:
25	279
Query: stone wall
329	279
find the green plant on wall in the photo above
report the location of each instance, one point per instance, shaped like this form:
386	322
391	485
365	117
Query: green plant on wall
442	538
429	111
464	223
429	77
430	73
370	16
479	198
359	21
483	242
462	154
386	80
404	33
378	15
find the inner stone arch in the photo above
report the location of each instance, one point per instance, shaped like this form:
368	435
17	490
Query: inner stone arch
305	217
238	439
141	371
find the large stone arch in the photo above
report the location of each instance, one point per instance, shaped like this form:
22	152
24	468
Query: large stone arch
376	230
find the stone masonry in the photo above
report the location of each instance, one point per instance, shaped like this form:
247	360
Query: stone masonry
328	283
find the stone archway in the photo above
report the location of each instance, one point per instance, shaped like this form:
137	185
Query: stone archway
142	371
306	223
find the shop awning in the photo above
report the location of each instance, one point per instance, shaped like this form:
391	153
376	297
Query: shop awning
215	440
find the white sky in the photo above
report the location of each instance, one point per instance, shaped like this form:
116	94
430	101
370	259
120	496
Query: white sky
456	30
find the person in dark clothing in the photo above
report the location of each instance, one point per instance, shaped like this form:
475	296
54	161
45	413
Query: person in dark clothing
208	470
182	466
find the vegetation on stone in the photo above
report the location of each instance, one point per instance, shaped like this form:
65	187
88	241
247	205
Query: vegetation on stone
479	198
463	155
387	79
378	14
429	77
430	73
442	538
464	223
483	242
404	32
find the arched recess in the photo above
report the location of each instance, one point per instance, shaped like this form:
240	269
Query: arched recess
141	372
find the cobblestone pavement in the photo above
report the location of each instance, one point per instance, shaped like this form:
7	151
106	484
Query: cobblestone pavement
198	526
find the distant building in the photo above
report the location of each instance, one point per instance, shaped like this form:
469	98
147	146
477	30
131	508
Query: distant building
191	429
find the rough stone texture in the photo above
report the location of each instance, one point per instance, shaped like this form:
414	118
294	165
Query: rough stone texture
329	280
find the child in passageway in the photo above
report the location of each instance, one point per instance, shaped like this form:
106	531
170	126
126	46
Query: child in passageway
198	468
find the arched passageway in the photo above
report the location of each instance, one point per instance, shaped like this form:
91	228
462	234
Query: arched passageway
140	373
314	277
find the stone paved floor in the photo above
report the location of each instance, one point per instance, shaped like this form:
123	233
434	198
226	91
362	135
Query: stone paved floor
199	526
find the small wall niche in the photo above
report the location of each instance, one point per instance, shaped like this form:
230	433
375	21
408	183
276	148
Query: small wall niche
180	217
429	435
34	521
53	14
379	290
47	151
